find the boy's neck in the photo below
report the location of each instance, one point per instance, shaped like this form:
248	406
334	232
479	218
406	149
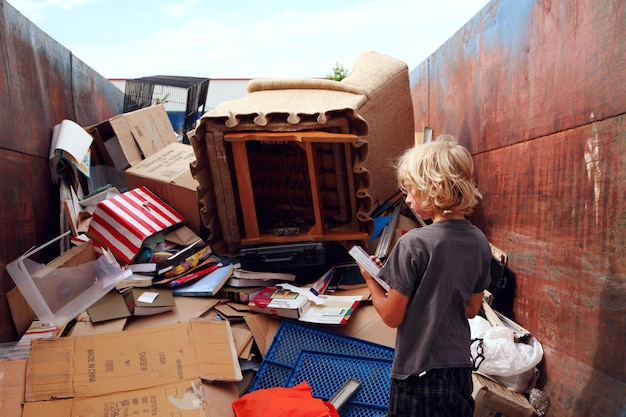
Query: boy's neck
439	216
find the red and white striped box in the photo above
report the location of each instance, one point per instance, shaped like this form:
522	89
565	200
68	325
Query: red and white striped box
123	222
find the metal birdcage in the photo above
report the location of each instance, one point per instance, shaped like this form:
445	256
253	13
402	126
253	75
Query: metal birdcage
184	98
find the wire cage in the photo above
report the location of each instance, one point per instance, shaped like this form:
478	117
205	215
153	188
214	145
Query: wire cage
184	98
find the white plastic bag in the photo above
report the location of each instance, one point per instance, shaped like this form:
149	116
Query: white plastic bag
502	355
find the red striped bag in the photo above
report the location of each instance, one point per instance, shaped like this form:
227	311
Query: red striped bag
123	222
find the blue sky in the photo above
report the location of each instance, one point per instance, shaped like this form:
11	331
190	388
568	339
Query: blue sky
244	38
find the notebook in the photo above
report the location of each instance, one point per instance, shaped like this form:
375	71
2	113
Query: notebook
207	286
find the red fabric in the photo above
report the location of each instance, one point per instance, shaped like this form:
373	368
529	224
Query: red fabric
296	401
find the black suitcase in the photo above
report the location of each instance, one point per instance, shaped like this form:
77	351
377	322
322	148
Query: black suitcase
306	259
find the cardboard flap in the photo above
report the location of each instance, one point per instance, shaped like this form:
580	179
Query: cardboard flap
217	358
263	328
50	369
12	380
151	129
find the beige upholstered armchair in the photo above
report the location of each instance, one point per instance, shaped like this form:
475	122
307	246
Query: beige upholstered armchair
372	103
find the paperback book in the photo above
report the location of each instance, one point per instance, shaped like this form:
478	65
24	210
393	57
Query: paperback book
207	286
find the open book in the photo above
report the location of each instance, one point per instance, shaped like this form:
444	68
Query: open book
72	143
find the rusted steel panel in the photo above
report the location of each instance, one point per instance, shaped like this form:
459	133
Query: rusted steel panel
41	83
29	215
560	214
37	70
419	94
95	98
44	84
524	69
535	90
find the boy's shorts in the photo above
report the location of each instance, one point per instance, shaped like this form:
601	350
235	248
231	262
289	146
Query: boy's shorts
445	392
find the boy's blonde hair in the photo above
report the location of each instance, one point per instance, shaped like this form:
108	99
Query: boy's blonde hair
441	172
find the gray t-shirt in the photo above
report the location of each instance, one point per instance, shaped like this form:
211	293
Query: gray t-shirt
438	267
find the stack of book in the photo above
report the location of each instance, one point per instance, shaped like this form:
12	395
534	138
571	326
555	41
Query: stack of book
308	304
244	284
150	286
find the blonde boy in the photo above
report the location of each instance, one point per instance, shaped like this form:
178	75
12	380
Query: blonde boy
436	275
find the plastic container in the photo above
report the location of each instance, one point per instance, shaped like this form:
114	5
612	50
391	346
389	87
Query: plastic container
325	360
60	290
327	372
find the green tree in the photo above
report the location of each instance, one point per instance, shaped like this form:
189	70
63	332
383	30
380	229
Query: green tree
339	72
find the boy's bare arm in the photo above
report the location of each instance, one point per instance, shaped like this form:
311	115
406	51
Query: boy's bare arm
472	306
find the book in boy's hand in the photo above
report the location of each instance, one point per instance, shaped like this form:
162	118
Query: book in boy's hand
363	259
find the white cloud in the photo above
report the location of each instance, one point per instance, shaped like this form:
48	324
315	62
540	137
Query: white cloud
257	38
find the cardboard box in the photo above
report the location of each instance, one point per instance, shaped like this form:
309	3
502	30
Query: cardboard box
167	173
22	314
126	139
153	371
12	381
494	399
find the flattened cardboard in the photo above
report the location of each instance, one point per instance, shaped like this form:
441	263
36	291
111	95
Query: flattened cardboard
366	324
180	399
494	399
12	381
167	173
187	308
184	399
102	364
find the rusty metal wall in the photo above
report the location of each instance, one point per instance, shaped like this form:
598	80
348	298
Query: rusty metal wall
41	83
536	90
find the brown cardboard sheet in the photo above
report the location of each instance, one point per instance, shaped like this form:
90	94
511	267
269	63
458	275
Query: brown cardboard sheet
104	364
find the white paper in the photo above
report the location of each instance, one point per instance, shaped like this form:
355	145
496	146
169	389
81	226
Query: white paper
148	297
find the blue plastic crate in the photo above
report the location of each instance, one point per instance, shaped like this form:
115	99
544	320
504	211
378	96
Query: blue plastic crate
281	363
327	372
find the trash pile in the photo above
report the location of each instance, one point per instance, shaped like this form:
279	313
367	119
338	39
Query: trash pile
141	291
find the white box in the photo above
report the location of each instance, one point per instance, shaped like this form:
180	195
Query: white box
60	290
